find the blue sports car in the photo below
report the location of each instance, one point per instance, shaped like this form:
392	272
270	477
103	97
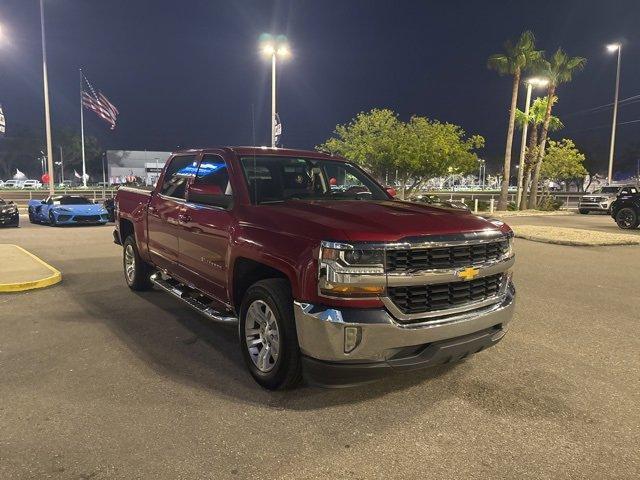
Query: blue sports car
67	210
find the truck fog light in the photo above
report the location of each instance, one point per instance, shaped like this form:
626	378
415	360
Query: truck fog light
352	337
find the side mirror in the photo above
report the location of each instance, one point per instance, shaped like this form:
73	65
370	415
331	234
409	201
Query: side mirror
391	191
208	195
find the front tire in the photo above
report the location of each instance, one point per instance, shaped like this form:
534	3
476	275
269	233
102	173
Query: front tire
137	272
32	219
627	219
583	211
268	337
52	219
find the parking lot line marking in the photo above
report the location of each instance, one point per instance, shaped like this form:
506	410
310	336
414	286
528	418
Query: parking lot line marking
55	277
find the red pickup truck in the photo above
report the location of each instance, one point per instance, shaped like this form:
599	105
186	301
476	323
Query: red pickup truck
327	276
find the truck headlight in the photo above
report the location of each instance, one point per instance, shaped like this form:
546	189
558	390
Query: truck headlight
350	271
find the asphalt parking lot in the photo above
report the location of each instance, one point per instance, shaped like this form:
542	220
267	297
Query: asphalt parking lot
99	382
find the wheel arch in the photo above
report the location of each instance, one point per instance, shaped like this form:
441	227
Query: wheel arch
247	271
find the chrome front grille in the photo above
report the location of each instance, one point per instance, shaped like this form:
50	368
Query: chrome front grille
408	260
442	296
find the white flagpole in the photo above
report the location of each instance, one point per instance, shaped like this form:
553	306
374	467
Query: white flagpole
84	166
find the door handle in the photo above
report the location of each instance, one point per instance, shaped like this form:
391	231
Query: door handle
184	218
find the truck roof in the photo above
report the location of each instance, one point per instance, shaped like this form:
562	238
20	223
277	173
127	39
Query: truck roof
246	150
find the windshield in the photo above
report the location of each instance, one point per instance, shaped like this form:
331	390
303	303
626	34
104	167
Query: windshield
607	190
71	201
278	179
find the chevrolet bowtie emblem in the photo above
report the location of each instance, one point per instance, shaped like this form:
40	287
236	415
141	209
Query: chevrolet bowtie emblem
468	273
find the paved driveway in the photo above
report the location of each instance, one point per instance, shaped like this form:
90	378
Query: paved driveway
99	382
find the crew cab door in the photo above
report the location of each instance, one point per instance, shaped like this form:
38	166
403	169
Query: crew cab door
165	208
205	228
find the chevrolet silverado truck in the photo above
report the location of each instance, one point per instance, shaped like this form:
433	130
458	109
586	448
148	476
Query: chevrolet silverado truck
339	286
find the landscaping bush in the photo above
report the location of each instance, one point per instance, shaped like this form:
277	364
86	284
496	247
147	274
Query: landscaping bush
550	204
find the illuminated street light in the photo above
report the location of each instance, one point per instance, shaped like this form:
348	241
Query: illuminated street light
275	48
47	115
614	47
531	82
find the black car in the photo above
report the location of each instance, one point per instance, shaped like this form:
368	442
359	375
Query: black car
9	216
625	210
436	201
109	205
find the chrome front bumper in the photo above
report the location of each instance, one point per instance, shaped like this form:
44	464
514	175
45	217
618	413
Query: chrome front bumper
322	330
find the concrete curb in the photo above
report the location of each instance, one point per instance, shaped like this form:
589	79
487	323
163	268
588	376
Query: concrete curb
573	237
52	279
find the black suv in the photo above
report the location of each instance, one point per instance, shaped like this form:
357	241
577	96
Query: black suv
625	209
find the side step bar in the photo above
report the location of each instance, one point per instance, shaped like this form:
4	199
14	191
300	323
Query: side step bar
183	293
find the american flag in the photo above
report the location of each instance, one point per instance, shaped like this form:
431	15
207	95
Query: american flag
99	103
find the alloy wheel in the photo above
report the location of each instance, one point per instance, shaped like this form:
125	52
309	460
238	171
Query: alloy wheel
129	263
262	336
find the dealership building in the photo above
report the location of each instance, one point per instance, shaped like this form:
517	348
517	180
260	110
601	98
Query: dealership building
123	165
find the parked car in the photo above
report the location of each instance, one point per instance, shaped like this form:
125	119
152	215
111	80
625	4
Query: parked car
435	200
66	210
600	200
339	286
13	183
625	210
1	184
32	184
9	216
109	205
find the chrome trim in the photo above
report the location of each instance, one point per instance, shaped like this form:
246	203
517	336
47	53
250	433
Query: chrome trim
321	329
194	303
434	241
447	275
444	315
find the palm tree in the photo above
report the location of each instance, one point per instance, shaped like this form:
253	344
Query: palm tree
536	116
516	58
559	69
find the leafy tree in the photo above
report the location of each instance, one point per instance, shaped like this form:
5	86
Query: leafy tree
559	69
371	139
418	149
537	113
516	58
430	148
21	150
71	144
563	162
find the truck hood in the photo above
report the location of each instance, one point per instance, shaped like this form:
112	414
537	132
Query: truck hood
369	220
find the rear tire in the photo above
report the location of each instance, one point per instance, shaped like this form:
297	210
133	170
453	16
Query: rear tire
267	324
137	272
583	211
31	217
627	219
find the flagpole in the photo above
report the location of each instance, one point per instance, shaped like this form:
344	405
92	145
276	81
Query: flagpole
84	166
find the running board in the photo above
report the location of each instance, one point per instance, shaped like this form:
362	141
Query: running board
182	293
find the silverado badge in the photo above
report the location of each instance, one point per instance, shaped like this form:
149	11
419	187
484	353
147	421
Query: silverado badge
468	273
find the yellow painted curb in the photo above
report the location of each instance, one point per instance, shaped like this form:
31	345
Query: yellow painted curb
55	277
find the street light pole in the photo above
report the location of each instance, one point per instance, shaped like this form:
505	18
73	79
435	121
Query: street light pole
274	48
273	99
613	48
47	115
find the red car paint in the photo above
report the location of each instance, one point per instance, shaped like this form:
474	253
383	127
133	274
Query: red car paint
202	245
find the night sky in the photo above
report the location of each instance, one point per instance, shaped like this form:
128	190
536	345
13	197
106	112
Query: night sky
188	73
